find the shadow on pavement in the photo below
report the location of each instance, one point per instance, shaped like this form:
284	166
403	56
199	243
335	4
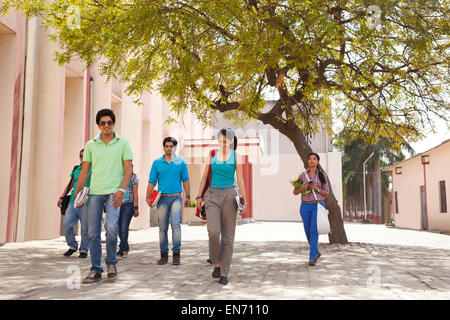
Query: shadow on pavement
260	270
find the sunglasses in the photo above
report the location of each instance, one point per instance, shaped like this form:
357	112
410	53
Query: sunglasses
109	123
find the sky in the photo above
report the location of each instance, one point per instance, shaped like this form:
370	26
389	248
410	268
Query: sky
432	140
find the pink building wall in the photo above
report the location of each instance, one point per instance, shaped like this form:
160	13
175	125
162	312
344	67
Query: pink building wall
11	57
407	185
48	117
438	170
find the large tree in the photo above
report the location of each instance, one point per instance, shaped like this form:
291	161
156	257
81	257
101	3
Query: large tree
384	62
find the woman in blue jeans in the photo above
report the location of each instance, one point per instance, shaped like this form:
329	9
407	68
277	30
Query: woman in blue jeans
315	183
128	209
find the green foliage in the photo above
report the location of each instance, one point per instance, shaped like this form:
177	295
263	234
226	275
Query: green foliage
390	72
356	151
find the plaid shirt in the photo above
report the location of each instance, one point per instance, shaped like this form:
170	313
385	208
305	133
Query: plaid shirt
129	194
317	182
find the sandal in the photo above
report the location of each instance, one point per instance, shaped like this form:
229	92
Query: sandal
317	256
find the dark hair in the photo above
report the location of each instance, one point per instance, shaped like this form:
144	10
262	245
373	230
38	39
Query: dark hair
170	139
321	175
103	113
229	135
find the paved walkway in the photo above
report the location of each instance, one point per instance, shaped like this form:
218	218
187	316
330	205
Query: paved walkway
269	262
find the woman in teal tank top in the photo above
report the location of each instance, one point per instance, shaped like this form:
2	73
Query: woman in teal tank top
220	201
222	172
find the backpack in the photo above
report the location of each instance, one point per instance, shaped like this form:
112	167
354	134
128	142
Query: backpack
66	198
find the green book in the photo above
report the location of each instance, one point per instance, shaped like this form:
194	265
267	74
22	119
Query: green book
297	183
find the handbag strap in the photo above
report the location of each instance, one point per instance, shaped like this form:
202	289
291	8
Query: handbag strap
70	182
315	196
208	179
67	190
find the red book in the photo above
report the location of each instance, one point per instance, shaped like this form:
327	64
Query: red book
154	198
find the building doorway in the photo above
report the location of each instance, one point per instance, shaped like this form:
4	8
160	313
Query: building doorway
424	208
73	129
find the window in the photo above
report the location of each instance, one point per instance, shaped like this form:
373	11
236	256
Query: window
443	196
396	202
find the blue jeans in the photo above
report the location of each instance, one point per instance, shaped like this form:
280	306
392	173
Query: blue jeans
169	210
95	211
126	214
308	211
70	220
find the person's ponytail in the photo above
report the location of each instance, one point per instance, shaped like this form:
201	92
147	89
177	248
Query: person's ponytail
321	176
233	146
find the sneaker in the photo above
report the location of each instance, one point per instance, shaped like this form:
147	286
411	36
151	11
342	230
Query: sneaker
216	272
69	252
92	277
112	272
223	280
83	255
176	259
164	258
209	261
312	262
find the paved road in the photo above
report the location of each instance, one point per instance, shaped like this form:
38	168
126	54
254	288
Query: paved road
269	262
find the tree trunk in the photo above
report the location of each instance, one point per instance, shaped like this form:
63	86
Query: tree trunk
369	194
361	202
369	184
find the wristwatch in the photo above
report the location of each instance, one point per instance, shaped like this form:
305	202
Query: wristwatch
136	207
123	190
188	197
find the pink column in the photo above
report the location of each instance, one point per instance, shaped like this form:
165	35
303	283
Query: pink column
87	86
426	201
62	102
15	131
248	190
393	196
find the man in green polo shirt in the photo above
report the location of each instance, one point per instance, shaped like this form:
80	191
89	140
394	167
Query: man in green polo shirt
110	157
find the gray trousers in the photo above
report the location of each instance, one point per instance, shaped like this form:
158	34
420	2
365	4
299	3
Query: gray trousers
221	212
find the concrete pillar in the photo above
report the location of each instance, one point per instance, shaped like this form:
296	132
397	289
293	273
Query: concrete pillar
7	86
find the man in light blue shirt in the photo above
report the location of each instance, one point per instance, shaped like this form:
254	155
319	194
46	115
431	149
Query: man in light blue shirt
169	172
